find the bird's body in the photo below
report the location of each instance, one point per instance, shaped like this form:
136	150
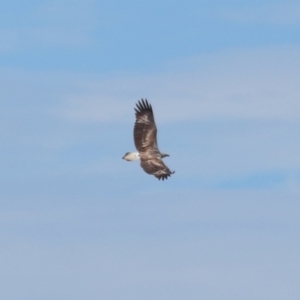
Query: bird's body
144	134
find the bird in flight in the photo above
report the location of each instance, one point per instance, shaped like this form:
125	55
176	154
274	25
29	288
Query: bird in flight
144	134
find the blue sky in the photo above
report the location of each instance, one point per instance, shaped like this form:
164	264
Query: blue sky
79	222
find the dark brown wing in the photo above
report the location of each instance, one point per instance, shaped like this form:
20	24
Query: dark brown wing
144	128
157	168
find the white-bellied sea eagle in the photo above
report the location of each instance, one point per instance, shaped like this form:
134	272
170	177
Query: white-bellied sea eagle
144	134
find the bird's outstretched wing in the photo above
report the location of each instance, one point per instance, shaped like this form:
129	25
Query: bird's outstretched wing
157	168
144	132
145	141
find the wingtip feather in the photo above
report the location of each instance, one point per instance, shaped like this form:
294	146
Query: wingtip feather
143	104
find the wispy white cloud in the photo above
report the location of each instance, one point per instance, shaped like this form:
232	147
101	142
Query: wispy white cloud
55	24
245	106
258	84
94	108
155	244
8	39
75	14
292	184
226	150
15	39
275	12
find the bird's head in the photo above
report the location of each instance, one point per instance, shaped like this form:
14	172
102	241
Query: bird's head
129	156
124	157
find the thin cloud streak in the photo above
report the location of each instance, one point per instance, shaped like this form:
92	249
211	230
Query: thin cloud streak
13	39
168	241
262	84
239	103
281	13
78	222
